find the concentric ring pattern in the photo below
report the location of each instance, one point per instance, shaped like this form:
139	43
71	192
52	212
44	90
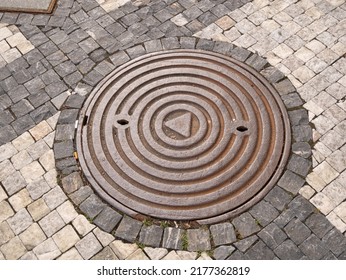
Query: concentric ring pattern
183	135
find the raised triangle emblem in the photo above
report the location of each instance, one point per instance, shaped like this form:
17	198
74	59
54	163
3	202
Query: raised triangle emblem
181	124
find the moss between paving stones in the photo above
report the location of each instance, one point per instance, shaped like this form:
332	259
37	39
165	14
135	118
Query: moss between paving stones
282	198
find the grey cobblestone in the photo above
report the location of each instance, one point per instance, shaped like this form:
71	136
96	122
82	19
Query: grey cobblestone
291	182
245	225
223	234
288	251
272	235
172	238
92	206
244	244
108	219
297	231
313	248
151	235
260	252
222	252
198	240
128	229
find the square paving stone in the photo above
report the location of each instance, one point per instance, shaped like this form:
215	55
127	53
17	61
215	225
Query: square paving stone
20	200
245	225
18	93
63	149
198	240
299	165
88	246
222	252
54	198
71	254
297	231
260	251
291	182
246	243
138	255
107	219
302	133
23	124
38	149
153	46
5	211
128	229
30	256
172	238
67	211
22	108
264	213
122	250
335	241
3	194
288	251
223	234
301	207
38	209
14	249
151	235
81	194
20	221
13	183
237	256
92	206
272	235
72	182
32	236
47	250
105	254
155	253
6	233
7	133
302	149
5	117
82	225
187	43
313	248
298	117
319	224
66	238
51	223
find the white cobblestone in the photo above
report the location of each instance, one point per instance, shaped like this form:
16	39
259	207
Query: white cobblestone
20	200
47	250
7	151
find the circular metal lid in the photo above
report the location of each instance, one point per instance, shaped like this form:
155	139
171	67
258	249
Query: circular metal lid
183	135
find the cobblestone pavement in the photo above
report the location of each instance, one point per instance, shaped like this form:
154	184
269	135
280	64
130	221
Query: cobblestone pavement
51	62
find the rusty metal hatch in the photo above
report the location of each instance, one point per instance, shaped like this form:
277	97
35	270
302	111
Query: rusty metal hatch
183	135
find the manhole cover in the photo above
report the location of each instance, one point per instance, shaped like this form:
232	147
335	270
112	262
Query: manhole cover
183	135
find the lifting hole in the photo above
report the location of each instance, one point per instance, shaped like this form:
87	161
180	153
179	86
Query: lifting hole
123	122
85	120
242	128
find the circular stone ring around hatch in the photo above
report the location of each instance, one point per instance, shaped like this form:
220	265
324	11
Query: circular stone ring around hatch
183	135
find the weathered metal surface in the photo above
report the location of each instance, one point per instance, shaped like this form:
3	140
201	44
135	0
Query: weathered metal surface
183	135
27	6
